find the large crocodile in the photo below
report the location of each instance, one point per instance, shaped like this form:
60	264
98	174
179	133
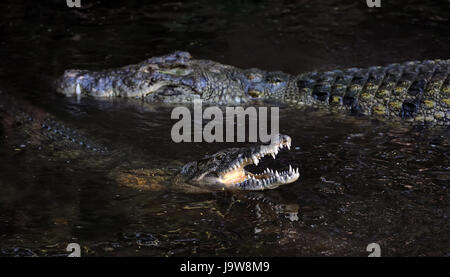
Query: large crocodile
415	91
224	170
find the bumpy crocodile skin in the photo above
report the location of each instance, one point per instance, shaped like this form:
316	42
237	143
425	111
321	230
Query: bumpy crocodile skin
418	92
37	125
414	91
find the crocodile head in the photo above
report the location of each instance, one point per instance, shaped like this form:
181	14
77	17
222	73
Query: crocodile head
177	78
226	168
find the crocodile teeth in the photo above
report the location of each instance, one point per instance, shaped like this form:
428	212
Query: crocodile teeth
255	160
268	176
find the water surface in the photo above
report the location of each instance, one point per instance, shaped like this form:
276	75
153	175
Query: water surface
362	181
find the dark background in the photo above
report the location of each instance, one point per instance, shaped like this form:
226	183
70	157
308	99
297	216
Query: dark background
361	181
39	39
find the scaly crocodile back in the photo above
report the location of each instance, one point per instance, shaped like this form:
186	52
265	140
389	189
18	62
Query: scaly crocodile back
31	122
415	91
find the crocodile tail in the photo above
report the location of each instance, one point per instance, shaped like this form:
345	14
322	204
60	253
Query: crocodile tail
36	124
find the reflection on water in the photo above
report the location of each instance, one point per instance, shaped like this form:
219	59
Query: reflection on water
362	181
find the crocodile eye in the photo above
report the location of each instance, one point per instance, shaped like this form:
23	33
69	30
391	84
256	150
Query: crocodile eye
274	80
255	93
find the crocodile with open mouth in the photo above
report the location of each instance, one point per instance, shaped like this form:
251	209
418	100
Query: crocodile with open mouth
417	92
224	170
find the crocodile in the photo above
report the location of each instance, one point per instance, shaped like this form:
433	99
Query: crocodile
223	170
416	91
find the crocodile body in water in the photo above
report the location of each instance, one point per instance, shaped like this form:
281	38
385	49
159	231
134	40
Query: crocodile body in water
224	170
417	92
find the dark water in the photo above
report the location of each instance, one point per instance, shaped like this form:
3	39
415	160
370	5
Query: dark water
361	181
